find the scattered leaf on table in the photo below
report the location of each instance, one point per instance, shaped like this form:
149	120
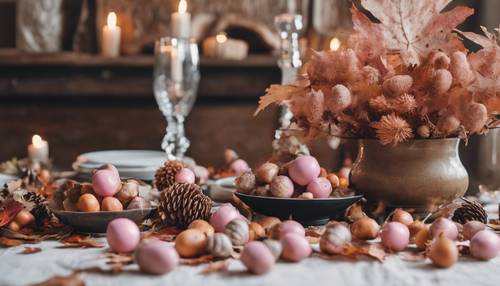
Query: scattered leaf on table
7	242
372	250
166	234
217	266
197	261
119	258
9	211
79	241
71	280
412	256
30	250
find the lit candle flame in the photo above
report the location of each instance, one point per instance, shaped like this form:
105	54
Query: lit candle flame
221	37
112	20
182	6
37	141
334	44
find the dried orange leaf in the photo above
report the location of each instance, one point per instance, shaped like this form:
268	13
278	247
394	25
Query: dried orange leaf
79	241
30	250
9	211
71	280
217	266
7	242
278	93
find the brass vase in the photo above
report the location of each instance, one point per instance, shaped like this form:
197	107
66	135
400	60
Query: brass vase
420	174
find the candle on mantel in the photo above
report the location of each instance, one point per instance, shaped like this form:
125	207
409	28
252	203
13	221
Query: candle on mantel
111	35
335	44
222	47
38	150
181	21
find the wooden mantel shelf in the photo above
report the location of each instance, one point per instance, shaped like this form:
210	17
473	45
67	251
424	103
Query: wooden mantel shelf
67	73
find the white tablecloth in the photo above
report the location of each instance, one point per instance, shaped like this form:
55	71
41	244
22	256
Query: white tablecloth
16	269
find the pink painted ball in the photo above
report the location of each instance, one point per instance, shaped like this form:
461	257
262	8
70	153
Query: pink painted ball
295	247
156	257
291	226
485	245
185	175
257	257
395	236
223	216
446	226
123	235
239	166
320	187
304	169
106	182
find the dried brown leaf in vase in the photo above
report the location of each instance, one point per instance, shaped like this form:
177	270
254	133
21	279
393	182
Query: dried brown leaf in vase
7	242
197	261
366	38
217	266
80	241
415	28
71	280
486	61
30	250
279	93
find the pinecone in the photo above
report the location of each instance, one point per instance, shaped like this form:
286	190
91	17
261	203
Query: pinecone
469	211
165	175
180	204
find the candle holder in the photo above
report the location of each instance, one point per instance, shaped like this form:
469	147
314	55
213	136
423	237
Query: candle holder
288	26
176	78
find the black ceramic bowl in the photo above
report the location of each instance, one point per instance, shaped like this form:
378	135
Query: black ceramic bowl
306	211
97	222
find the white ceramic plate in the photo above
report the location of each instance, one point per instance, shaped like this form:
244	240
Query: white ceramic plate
4	178
123	158
222	190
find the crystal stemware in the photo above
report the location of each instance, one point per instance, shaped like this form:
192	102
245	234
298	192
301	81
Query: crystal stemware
176	78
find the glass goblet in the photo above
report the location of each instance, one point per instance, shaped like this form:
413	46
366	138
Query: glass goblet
176	78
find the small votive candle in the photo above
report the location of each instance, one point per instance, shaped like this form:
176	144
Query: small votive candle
335	44
111	34
38	150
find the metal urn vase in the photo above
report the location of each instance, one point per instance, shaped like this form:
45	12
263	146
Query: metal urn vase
419	174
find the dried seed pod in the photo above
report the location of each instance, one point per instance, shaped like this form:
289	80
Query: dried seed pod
219	245
256	231
245	183
441	81
266	172
335	237
237	231
275	247
440	60
448	125
475	117
339	99
315	106
397	85
424	131
371	75
461	69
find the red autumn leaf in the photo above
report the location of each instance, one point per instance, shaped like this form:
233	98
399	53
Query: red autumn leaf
412	28
9	211
7	242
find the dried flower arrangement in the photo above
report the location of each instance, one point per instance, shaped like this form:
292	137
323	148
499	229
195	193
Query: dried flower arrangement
406	76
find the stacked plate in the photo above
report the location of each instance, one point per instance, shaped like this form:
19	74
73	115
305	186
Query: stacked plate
139	164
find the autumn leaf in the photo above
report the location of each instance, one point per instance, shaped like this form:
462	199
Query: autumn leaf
197	261
7	242
71	280
278	93
217	266
412	28
9	211
30	250
79	241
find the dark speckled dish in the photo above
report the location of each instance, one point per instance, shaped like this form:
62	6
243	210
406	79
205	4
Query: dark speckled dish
306	211
96	222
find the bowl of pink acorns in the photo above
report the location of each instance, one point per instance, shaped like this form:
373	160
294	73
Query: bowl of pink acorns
299	189
89	207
